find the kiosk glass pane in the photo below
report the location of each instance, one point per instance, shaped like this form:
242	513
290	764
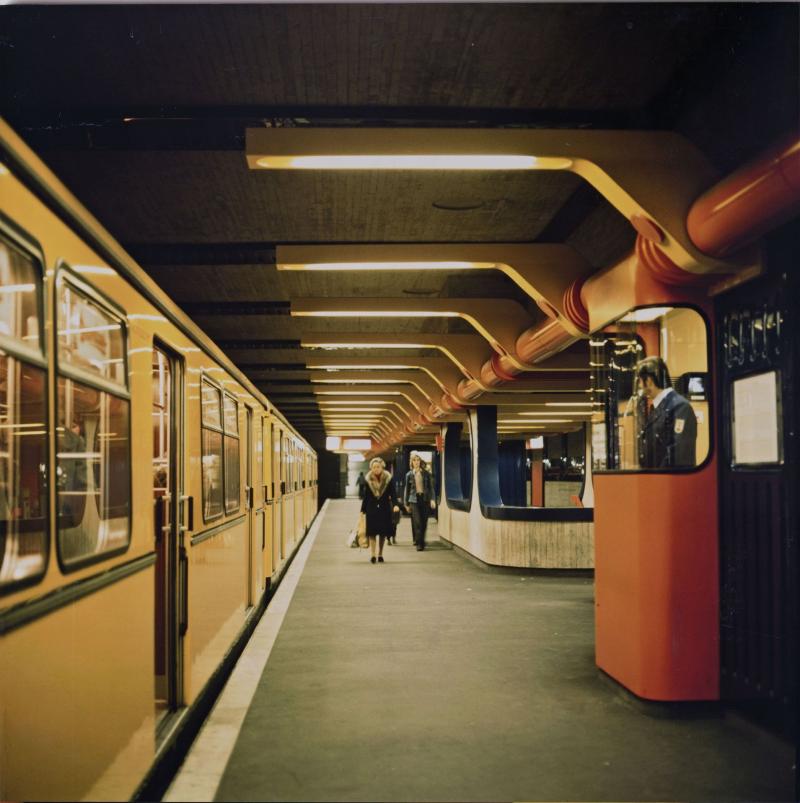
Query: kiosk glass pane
651	391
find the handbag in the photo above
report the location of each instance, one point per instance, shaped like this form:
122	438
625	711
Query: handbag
395	518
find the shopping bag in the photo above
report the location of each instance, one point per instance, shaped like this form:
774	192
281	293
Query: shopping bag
352	539
361	531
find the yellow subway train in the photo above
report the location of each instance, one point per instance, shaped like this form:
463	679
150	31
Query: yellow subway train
150	498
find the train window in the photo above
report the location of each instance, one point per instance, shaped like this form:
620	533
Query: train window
232	466
23	462
211	447
651	391
92	473
23	422
90	339
161	424
20	292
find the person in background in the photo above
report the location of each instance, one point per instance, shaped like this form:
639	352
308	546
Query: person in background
378	504
667	439
361	484
418	498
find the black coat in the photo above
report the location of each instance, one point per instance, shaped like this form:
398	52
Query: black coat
379	508
669	435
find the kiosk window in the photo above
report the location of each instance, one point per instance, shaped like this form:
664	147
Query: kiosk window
650	386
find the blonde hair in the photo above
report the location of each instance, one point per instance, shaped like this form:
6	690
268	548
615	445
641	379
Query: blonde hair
377	460
422	463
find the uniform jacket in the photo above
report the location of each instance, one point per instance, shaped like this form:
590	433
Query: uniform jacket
668	437
410	487
379	499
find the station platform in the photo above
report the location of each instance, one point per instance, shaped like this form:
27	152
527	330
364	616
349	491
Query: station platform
428	678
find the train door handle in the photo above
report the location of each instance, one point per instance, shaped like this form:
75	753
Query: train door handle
188	513
283	487
163	525
249	496
183	626
267	499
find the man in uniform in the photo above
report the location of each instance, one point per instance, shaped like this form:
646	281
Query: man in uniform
667	439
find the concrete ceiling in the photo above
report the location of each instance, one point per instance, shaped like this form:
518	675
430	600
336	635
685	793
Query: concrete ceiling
141	111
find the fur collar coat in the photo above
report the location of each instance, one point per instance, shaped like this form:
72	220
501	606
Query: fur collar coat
378	503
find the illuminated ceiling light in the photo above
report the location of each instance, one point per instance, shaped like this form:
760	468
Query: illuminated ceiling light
332	442
442	161
311	366
364	345
550	421
358	393
338	313
644	315
562	412
359	382
446	265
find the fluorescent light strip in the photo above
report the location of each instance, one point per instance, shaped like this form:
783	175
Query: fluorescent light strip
422	266
372	314
311	366
366	161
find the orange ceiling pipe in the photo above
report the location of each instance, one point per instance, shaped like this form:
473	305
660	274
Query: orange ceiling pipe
758	197
533	346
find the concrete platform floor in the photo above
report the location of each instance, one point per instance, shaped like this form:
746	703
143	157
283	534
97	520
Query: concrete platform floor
427	678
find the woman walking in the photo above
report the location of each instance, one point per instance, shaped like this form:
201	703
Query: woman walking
378	504
418	498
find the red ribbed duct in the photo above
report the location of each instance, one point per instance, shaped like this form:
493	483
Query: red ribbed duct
755	199
450	404
470	389
434	412
540	342
574	307
664	270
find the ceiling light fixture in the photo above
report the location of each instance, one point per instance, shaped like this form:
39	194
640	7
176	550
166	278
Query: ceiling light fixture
451	265
372	314
393	161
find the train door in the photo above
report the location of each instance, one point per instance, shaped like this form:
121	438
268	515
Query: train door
167	470
757	353
249	499
280	487
268	488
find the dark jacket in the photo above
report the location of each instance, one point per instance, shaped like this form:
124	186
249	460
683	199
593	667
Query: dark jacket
410	487
379	499
668	437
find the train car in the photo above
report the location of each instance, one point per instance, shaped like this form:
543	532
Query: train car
150	499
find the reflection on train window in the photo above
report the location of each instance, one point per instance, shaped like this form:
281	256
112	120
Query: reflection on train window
19	297
211	402
23	461
161	423
651	391
89	338
232	479
92	472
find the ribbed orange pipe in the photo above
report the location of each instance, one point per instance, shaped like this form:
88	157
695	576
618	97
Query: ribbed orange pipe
755	199
540	342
